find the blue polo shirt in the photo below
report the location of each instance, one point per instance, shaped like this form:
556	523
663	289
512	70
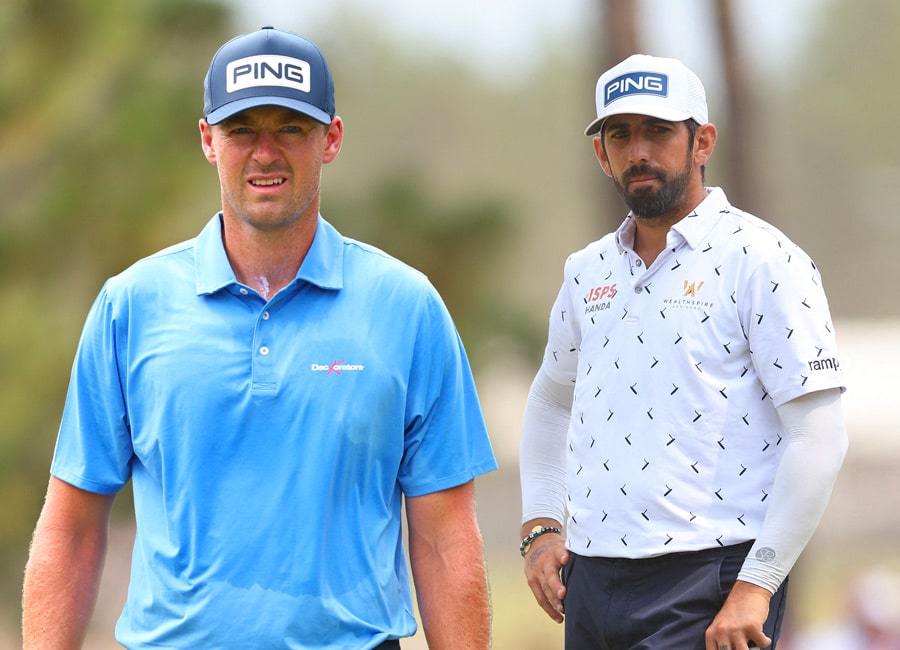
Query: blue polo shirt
269	443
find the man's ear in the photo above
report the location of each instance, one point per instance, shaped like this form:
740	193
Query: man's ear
704	143
206	141
333	140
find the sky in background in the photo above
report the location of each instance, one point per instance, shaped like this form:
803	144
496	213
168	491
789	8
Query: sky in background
502	39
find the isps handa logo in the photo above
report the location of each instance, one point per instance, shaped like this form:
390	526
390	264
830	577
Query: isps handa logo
598	298
337	367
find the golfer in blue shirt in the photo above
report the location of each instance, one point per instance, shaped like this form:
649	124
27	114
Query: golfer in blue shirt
275	393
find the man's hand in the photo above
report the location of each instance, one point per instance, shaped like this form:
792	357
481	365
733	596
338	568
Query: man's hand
741	619
544	560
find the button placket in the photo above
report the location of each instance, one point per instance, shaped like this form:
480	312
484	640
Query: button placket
264	348
262	330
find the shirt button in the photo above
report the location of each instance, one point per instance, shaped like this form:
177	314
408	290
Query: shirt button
244	291
638	289
265	315
639	263
264	350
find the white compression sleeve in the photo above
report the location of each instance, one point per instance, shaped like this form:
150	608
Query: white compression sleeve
542	451
816	446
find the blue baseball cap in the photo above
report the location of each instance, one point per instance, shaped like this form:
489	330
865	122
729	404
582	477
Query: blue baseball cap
268	68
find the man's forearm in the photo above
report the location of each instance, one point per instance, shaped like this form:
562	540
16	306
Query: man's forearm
65	563
61	584
542	453
814	426
452	591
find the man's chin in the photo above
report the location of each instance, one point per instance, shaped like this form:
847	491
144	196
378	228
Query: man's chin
642	200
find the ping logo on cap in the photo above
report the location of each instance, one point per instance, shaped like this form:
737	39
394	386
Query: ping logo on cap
267	70
636	83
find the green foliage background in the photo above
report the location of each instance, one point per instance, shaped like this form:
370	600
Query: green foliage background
97	155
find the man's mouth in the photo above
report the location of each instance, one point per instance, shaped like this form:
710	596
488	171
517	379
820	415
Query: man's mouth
266	182
641	181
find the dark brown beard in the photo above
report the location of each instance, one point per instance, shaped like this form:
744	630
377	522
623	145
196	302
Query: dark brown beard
653	204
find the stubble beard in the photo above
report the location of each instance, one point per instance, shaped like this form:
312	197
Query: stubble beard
655	205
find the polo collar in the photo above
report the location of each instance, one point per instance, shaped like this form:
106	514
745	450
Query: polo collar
322	267
694	228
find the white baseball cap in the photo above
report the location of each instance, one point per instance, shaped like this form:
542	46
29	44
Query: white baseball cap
649	85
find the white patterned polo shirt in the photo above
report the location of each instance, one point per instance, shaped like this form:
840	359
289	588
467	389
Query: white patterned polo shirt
674	439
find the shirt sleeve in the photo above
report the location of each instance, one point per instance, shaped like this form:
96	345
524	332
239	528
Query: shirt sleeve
563	339
93	449
788	323
446	440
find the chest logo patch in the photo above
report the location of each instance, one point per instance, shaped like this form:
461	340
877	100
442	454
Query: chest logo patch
337	367
692	288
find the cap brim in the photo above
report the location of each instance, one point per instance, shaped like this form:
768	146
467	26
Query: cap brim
594	127
235	107
651	110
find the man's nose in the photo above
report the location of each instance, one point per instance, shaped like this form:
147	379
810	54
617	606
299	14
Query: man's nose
638	150
266	147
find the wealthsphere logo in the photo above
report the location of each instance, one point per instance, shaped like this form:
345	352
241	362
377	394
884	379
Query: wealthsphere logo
337	367
691	288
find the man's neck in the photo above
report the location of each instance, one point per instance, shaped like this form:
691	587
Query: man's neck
650	235
650	238
267	261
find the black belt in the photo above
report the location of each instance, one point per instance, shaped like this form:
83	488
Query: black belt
391	644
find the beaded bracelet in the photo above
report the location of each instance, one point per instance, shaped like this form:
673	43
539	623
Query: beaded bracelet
536	532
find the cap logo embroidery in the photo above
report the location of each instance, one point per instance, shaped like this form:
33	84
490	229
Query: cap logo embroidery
636	83
267	70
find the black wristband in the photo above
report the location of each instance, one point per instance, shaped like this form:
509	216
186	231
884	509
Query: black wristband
536	532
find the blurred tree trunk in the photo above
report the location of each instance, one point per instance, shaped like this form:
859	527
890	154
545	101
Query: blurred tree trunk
617	39
743	183
621	31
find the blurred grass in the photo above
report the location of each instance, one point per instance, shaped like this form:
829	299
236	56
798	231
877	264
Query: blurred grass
518	620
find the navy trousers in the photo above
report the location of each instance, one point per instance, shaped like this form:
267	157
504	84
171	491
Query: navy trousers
660	603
